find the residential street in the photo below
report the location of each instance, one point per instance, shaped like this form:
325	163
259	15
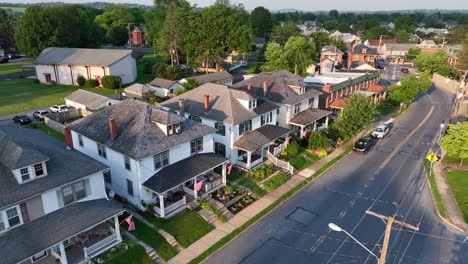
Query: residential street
389	180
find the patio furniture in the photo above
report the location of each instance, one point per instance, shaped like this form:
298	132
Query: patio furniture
102	231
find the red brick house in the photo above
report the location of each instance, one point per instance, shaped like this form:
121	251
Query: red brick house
362	53
139	36
331	52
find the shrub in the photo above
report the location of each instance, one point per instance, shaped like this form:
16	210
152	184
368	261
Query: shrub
322	153
179	91
317	140
222	219
111	82
293	148
228	189
81	80
148	69
90	83
276	181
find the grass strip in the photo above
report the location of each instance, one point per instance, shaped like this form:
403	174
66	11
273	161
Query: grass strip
259	192
267	210
187	228
134	254
458	181
276	181
434	190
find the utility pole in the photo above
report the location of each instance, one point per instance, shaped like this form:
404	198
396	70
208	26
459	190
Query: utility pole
390	220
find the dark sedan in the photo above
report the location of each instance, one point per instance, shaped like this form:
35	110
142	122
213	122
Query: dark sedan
404	70
364	144
22	119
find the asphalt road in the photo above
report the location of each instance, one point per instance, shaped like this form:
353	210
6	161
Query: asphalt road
389	180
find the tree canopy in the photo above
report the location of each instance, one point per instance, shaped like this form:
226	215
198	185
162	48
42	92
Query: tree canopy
456	140
433	62
359	111
462	62
261	22
404	23
409	87
281	34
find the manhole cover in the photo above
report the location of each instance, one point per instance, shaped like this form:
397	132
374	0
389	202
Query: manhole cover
302	216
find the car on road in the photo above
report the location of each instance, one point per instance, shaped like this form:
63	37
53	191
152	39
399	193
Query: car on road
364	144
58	108
3	59
22	119
404	70
380	131
39	114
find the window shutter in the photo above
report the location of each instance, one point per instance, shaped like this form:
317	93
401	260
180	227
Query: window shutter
60	198
24	212
87	184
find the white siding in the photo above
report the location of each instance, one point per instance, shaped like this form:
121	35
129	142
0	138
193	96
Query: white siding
126	68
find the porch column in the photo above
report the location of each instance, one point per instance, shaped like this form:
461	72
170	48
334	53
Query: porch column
223	172
117	228
63	255
249	158
195	188
161	205
302	130
326	121
315	125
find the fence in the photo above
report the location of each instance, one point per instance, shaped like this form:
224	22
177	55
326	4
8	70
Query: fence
445	83
58	121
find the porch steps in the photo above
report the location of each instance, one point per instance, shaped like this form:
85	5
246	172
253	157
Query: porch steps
149	250
169	238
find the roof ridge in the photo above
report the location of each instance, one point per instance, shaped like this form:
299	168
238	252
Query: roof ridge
146	118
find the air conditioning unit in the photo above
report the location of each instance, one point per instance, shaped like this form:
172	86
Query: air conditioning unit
177	130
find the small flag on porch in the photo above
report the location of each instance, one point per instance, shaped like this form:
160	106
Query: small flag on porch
287	140
304	133
131	224
229	168
198	186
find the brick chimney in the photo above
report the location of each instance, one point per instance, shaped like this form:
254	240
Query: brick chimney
207	103
68	137
249	87
112	129
181	107
265	88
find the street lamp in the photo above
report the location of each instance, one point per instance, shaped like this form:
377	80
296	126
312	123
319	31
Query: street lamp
336	228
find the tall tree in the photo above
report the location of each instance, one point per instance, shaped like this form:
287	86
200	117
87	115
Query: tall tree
359	111
261	22
114	16
298	54
456	141
273	57
408	87
433	62
7	38
404	23
402	36
281	34
376	32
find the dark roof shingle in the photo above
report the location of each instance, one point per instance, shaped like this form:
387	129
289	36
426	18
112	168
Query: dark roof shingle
13	156
80	57
211	77
308	116
162	83
86	98
257	138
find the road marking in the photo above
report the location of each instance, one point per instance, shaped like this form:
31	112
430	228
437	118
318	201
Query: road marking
342	214
352	203
365	185
359	194
319	241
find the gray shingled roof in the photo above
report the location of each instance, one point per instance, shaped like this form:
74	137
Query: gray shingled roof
257	138
224	106
163	83
278	87
182	171
359	47
137	136
13	156
165	118
211	77
330	49
309	116
63	166
86	98
40	234
137	88
399	46
88	57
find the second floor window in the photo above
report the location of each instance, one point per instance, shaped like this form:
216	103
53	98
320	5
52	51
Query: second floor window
129	187
107	176
73	192
196	146
220	128
245	127
195	118
13	217
127	163
24	174
2	225
297	108
101	150
266	118
38	169
161	160
311	102
80	140
252	104
220	148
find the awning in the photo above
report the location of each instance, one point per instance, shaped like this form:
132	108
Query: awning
339	103
365	93
182	171
376	88
259	137
40	234
308	116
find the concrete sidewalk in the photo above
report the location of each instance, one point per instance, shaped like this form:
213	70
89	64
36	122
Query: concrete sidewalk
223	229
450	204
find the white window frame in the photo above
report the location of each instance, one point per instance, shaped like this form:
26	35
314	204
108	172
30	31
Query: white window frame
130	188
23	174
127	161
101	150
42	168
18	213
80	140
2	223
35	259
159	157
198	146
109	178
73	190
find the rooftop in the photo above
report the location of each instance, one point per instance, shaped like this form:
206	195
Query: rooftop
359	49
88	57
63	166
259	137
86	98
377	42
137	136
330	49
137	88
308	116
162	83
13	156
211	77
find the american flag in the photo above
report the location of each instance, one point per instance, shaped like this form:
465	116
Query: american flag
131	224
229	168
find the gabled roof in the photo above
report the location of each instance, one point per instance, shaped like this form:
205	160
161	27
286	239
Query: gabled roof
376	42
165	118
399	46
42	233
358	49
137	88
13	156
259	137
81	57
224	104
331	50
63	166
308	116
375	88
211	77
162	83
338	103
86	98
279	90
137	136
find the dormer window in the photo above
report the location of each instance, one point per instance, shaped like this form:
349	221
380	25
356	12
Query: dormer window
38	169
173	129
25	174
195	118
252	104
364	50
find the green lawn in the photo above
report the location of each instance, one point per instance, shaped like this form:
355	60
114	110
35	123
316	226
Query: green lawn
14	8
148	59
187	227
451	158
458	181
134	254
8	68
259	192
47	130
24	94
385	109
434	189
276	181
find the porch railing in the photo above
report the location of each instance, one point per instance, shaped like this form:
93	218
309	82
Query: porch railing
188	190
280	163
175	205
93	249
279	148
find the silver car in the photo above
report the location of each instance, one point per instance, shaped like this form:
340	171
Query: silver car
380	131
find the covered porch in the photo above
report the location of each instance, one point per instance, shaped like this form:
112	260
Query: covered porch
70	235
312	119
252	145
191	178
379	93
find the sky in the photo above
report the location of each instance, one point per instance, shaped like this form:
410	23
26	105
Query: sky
309	5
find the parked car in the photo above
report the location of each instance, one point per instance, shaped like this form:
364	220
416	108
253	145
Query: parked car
364	144
404	70
3	59
58	108
39	114
380	131
22	119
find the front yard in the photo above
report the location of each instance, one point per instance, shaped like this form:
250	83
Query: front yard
25	94
458	181
134	254
9	68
